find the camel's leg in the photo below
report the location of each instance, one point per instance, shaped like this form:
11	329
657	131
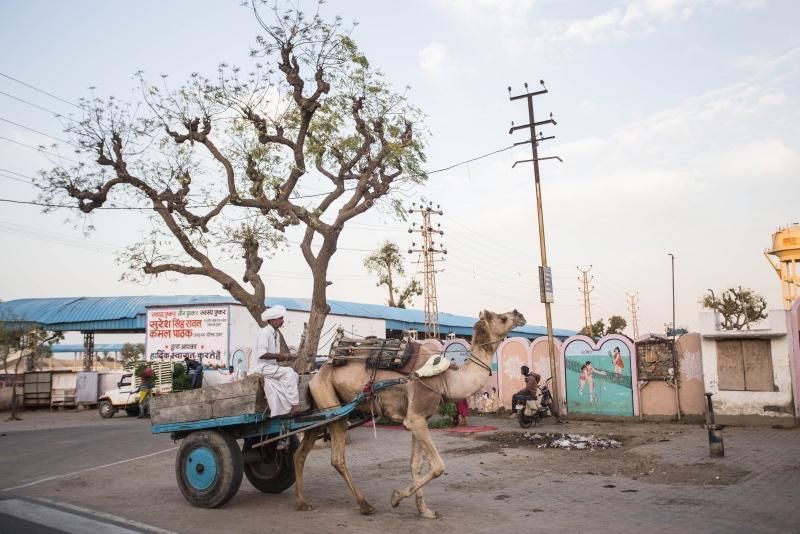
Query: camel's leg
300	455
419	428
417	464
338	430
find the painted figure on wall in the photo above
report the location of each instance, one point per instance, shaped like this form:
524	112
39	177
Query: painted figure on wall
598	377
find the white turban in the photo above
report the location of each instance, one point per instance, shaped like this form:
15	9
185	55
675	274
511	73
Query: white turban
275	312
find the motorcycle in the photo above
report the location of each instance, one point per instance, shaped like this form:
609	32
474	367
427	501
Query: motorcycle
530	414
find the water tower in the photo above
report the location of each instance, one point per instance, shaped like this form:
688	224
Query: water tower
786	247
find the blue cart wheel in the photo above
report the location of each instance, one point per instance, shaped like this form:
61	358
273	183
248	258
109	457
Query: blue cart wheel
209	468
201	468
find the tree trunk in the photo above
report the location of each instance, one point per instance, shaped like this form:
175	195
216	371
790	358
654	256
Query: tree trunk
13	416
319	305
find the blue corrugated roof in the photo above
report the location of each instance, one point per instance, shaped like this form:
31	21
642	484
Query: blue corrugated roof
128	313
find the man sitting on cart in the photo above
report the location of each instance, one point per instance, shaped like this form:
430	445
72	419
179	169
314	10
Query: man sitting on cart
280	382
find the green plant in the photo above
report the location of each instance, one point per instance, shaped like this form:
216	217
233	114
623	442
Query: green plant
447	409
140	367
181	379
442	422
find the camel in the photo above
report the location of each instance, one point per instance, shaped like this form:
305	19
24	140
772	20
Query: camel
411	403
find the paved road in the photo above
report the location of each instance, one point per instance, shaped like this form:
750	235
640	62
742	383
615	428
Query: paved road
40	451
486	486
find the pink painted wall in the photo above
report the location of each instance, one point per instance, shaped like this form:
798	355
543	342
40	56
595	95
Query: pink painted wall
515	352
794	357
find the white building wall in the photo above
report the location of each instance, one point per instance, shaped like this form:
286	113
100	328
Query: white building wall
776	403
244	330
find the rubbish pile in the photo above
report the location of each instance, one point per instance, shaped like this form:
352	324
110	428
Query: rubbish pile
570	441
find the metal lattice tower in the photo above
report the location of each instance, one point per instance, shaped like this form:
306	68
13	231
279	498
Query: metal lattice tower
633	306
429	254
88	351
584	279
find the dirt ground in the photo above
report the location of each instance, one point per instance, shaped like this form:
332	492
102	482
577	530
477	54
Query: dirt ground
623	461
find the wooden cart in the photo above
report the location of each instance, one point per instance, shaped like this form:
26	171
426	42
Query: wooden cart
212	421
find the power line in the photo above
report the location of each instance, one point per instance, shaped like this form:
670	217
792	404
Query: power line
37	106
9	171
39	90
38	149
38	132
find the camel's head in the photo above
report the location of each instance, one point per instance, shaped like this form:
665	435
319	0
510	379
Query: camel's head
498	325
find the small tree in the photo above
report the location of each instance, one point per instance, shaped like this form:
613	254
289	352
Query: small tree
739	308
616	324
32	344
387	264
132	352
595	331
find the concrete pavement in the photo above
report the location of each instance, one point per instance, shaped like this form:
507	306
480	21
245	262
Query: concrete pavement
661	479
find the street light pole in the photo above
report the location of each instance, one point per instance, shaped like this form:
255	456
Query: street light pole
672	256
675	342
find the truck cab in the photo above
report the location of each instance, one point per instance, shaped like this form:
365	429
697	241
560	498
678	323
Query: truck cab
125	397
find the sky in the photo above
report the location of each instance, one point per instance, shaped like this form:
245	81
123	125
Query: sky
677	125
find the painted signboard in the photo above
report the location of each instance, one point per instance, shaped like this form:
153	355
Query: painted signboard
598	376
195	332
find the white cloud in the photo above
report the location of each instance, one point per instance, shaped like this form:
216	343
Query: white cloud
433	58
501	15
513	20
767	63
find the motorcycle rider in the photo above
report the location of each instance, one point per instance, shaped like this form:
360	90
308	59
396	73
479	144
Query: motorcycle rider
528	392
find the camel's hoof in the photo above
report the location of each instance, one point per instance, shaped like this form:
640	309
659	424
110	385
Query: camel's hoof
304	507
396	498
367	508
430	514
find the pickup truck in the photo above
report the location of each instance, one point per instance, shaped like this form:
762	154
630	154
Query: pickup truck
125	397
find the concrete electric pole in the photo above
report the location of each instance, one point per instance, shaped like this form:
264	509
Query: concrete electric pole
545	277
429	254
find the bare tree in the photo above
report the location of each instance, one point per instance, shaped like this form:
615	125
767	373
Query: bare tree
738	307
387	263
227	165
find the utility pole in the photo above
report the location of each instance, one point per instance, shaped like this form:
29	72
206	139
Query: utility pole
633	306
429	253
546	293
587	303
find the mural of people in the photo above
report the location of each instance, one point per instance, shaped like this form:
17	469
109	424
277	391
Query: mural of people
619	365
598	377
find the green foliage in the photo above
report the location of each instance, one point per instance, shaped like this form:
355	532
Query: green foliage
447	409
139	370
132	352
387	263
738	307
616	324
33	343
444	422
596	331
181	379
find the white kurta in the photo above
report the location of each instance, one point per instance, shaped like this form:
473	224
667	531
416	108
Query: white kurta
280	383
